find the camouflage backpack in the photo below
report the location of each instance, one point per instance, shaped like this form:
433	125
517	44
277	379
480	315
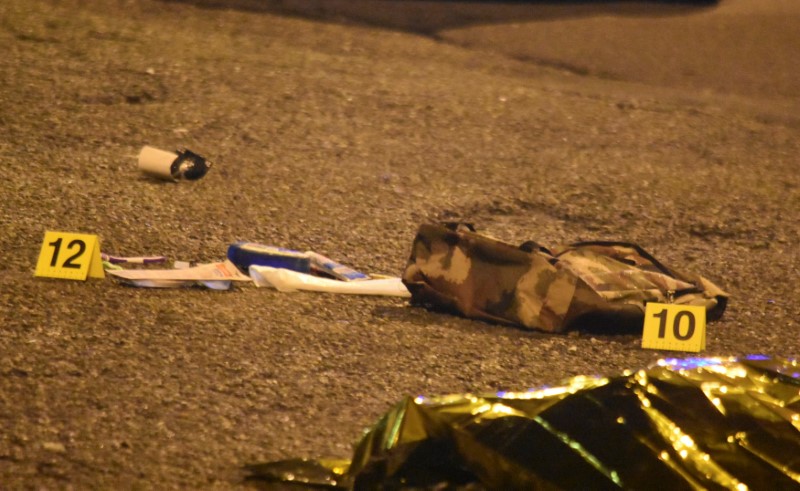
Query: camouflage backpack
581	285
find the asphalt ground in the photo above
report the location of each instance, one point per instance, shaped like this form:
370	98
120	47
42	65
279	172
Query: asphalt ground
341	129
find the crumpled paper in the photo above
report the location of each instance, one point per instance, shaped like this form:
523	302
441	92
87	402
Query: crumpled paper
286	280
695	423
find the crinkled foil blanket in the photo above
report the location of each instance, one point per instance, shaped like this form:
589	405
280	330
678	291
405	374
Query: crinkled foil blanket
697	423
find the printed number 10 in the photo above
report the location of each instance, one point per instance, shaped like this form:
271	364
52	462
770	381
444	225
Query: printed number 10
69	262
676	324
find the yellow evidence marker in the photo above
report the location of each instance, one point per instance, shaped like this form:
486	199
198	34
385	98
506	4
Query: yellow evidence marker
70	256
674	327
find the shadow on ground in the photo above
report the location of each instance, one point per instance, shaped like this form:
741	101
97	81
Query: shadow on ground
429	17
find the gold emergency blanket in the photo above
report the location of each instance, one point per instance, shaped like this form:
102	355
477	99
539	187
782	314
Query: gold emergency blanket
696	423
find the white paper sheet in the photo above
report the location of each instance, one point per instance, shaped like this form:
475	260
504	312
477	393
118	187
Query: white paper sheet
217	276
286	280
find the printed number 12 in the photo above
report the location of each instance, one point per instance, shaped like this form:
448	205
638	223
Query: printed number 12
68	263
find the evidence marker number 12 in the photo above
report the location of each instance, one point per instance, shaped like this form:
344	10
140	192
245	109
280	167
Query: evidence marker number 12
69	256
674	327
